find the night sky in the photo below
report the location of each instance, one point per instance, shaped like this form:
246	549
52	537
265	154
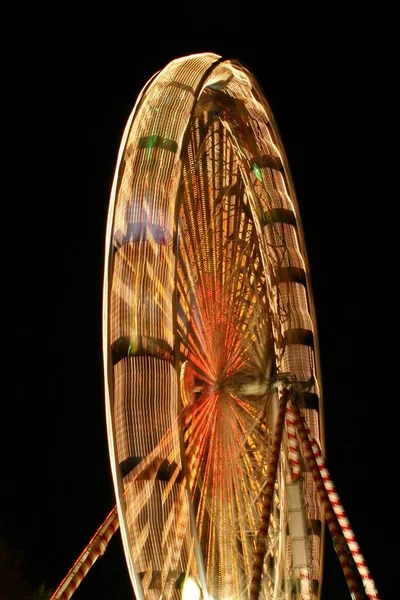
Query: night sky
322	81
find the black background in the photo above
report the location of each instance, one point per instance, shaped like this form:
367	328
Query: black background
328	78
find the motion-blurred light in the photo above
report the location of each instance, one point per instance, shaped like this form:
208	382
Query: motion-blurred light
190	590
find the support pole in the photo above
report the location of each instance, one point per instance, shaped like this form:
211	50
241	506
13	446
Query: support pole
338	538
344	522
261	541
95	548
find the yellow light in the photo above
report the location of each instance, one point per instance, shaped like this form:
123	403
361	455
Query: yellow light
190	590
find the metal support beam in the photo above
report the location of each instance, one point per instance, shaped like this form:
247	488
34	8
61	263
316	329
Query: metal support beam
262	536
338	538
95	548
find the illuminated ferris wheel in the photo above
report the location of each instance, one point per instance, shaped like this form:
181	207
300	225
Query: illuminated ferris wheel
208	316
213	397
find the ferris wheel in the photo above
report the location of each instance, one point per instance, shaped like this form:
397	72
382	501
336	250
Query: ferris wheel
213	385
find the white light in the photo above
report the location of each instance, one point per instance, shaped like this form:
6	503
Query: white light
190	590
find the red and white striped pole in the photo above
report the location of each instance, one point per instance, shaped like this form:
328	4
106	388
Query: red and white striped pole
339	540
293	444
344	522
86	560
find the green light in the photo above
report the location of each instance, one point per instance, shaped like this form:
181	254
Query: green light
257	172
156	141
152	141
267	219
